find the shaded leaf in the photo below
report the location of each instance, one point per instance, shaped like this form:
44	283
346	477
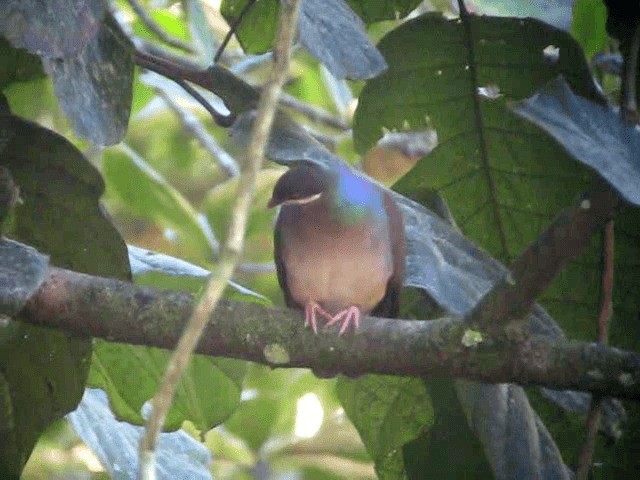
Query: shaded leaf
43	371
17	65
382	10
449	436
60	214
95	86
54	28
388	413
594	135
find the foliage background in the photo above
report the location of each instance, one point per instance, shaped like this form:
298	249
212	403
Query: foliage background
161	183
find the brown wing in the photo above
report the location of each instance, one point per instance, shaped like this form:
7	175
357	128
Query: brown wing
277	255
389	306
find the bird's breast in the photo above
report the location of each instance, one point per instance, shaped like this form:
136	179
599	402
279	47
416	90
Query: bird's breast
335	264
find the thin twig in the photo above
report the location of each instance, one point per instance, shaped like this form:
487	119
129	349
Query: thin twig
313	113
221	120
629	88
267	105
197	130
158	30
604	317
232	29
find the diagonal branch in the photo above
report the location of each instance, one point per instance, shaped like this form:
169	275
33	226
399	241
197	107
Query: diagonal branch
530	274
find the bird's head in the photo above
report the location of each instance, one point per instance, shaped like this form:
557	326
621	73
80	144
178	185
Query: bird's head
304	183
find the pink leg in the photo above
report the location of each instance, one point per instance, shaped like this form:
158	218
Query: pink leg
310	311
346	316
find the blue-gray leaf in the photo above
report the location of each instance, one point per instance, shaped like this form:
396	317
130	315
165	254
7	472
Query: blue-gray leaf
592	134
336	36
116	443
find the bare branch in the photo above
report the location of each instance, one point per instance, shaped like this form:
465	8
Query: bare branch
119	311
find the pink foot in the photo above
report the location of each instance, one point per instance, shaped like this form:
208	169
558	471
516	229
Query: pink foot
310	310
346	316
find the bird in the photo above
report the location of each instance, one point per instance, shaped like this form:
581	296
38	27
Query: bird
339	245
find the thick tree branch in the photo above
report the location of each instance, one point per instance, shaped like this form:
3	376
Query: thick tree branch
532	272
119	311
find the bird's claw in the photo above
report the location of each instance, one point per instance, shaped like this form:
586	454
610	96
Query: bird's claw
346	316
311	309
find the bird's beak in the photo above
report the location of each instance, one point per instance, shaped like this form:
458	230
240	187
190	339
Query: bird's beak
272	203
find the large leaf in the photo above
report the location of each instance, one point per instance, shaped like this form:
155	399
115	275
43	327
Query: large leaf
504	180
388	413
209	390
55	28
95	86
43	370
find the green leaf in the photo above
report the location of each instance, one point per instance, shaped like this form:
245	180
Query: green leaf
171	23
503	179
371	12
257	30
43	371
388	412
17	65
209	390
589	26
148	194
